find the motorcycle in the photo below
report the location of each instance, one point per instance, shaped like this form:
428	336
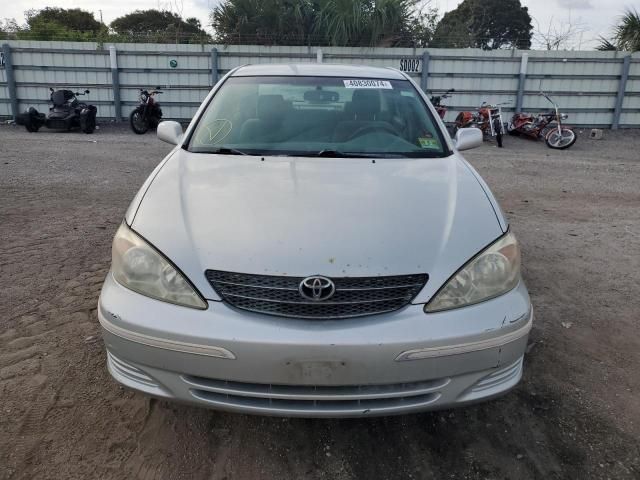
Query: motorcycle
148	114
436	101
546	125
487	118
66	113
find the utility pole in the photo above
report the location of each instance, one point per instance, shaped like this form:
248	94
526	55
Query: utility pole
101	17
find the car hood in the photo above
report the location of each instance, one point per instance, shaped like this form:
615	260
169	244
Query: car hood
302	216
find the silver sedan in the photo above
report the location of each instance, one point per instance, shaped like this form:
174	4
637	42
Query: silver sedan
315	245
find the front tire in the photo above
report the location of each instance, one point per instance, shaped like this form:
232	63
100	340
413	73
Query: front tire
88	119
139	124
31	120
31	126
88	125
459	122
560	140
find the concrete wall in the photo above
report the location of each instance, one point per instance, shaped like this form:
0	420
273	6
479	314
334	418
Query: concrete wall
587	85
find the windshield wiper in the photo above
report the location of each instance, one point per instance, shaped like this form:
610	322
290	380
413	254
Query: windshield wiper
228	151
338	154
326	153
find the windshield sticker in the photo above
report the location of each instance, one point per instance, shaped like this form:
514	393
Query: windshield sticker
430	143
366	83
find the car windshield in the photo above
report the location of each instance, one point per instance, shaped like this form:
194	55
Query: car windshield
318	116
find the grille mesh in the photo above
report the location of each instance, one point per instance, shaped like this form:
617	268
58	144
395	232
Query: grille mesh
279	295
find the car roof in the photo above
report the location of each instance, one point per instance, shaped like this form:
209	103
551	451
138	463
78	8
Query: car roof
318	70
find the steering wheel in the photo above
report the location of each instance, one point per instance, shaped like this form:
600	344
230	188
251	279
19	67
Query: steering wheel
373	128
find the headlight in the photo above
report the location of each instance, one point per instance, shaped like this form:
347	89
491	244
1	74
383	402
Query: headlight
563	116
492	272
141	268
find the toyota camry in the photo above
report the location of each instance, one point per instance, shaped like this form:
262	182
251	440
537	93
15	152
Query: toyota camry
315	245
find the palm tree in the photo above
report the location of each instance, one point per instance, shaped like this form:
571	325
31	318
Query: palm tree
287	22
626	35
324	22
343	22
606	45
391	21
366	22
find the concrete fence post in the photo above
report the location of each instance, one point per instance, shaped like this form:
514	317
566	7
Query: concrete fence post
214	66
11	80
115	83
319	55
524	60
424	76
622	86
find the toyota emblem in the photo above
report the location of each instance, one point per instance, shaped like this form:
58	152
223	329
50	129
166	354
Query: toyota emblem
317	288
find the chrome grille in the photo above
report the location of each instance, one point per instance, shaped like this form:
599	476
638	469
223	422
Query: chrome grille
279	295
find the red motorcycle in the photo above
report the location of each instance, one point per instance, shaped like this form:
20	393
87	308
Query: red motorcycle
546	125
436	101
487	118
148	114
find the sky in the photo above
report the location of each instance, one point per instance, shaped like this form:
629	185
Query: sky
592	17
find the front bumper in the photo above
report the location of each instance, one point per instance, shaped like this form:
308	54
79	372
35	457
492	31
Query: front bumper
395	363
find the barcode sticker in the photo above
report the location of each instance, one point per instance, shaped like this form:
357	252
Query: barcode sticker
367	83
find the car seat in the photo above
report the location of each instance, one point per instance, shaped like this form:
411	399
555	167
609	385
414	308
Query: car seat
267	127
363	111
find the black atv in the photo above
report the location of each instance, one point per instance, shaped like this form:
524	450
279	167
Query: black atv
66	113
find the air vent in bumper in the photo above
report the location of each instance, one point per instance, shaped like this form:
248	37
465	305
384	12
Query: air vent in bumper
315	400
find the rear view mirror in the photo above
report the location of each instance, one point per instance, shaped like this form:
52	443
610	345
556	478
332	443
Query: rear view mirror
321	96
170	132
467	138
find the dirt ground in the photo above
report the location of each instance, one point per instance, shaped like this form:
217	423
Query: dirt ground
576	414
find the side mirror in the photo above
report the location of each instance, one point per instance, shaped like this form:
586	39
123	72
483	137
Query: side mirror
467	138
158	87
170	132
87	91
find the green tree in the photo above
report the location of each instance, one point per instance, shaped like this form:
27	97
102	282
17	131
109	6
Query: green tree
284	22
626	35
52	23
606	45
158	26
486	24
73	19
9	28
324	22
423	26
366	22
